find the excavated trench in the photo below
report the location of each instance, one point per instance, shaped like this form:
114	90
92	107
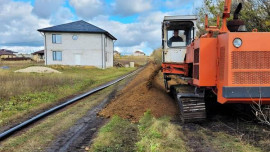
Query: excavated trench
144	92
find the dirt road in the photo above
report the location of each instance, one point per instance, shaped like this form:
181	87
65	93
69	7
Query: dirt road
79	136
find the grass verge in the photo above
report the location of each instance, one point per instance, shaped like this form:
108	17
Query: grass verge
221	141
41	135
160	135
24	93
116	135
149	135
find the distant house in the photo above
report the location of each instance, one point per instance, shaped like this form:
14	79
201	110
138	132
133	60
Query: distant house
38	56
13	52
78	43
138	53
7	54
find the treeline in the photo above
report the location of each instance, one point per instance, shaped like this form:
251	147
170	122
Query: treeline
255	13
157	55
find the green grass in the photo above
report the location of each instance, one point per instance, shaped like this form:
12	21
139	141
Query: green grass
225	142
15	65
52	126
116	135
149	135
24	93
159	135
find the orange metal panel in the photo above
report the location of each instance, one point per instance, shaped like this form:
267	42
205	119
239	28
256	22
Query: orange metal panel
207	64
250	62
190	53
175	68
222	76
248	65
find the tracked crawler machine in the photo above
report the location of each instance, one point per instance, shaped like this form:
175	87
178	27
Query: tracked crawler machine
234	64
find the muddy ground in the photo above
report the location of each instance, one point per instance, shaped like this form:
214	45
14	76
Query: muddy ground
78	137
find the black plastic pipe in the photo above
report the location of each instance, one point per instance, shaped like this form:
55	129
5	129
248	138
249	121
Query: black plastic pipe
10	131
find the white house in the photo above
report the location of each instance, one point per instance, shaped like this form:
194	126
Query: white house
138	53
78	43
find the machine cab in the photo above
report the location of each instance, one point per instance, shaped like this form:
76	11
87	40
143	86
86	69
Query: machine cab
177	33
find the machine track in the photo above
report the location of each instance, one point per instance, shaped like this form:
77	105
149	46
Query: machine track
190	101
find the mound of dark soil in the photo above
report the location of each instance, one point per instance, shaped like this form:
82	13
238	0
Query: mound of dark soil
138	97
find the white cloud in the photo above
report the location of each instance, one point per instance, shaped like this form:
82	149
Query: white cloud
127	8
18	26
129	50
63	15
88	8
145	34
45	8
178	3
142	34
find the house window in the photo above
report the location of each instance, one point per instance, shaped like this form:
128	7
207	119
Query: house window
56	38
57	55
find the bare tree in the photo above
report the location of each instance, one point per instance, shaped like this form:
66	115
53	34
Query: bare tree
262	112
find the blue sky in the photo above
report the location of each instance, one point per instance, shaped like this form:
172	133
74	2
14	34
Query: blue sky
135	23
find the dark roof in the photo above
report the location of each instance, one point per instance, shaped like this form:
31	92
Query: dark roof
11	51
38	52
2	52
139	52
8	51
77	27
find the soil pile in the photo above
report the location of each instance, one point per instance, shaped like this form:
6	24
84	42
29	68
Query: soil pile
38	69
138	97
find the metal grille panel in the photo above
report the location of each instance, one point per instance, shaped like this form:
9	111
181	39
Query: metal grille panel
222	63
197	55
251	59
196	72
251	78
